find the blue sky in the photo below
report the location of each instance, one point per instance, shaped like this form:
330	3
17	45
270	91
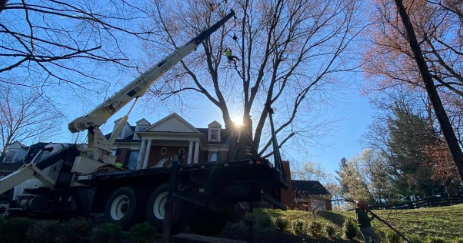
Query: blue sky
344	141
351	108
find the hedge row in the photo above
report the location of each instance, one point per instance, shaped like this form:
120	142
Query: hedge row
19	230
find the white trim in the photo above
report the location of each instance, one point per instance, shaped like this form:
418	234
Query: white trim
142	154
209	137
176	116
195	161
190	151
147	154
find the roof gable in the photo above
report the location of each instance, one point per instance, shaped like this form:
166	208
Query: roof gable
172	123
214	124
116	122
143	122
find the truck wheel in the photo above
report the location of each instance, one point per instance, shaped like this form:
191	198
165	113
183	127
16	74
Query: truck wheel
4	205
207	223
123	207
155	211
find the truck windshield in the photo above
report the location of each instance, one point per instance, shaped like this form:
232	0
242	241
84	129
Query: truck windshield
44	154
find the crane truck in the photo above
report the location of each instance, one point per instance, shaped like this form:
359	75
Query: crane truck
68	180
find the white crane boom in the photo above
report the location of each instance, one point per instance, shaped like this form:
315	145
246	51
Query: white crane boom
98	151
140	85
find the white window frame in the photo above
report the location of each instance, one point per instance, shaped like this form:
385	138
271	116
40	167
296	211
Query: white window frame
218	134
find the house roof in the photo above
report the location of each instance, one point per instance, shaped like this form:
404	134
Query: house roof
143	120
173	115
214	124
19	143
309	187
224	137
126	139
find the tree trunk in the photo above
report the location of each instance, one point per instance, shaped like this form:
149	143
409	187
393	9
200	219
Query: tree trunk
441	115
3	5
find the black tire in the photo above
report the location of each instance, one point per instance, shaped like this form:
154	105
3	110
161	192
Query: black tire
4	205
182	211
207	223
124	207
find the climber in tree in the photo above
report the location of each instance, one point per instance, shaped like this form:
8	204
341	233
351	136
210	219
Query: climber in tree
231	58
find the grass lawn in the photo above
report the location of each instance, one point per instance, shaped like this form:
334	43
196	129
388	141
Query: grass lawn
441	221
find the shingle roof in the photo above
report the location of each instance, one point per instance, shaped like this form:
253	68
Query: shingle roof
309	187
126	139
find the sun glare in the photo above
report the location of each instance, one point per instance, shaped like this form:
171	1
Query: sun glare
238	121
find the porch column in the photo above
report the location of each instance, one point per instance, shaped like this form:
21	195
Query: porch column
140	156
147	154
196	152
190	152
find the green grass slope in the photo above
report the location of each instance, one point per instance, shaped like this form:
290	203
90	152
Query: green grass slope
441	221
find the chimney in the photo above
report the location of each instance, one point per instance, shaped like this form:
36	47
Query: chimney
287	197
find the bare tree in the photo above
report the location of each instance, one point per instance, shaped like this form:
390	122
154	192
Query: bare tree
438	26
310	171
283	50
439	110
51	42
25	116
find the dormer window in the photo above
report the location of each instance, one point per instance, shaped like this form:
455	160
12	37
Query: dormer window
138	129
121	134
141	125
214	132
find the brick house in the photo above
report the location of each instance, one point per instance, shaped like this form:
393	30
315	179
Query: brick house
147	145
305	195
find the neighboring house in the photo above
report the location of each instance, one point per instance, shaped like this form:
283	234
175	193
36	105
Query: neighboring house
305	195
18	153
14	153
147	145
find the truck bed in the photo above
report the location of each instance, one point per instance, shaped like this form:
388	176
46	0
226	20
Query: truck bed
234	181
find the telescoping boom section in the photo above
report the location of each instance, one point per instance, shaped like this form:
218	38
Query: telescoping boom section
98	151
140	85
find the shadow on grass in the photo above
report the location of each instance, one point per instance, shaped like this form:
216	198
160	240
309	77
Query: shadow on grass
335	218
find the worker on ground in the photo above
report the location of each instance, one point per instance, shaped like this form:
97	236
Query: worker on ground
364	223
231	58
